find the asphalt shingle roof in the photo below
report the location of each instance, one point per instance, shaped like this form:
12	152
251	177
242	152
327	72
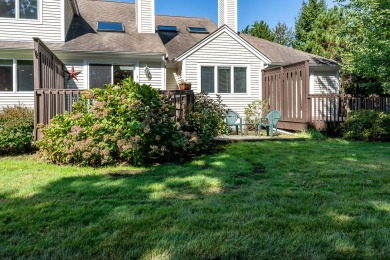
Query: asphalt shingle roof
83	35
280	54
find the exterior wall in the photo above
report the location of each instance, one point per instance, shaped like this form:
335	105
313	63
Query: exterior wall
224	50
68	15
227	13
324	82
73	83
48	27
157	74
145	16
171	81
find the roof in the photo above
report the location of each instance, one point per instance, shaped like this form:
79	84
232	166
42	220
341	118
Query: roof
177	43
223	29
83	34
281	55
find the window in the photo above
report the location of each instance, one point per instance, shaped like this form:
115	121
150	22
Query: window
19	9
6	75
224	80
101	74
24	80
197	30
239	80
25	70
227	80
207	78
167	28
110	27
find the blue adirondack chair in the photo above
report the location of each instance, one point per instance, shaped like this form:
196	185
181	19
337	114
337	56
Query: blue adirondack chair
270	122
233	119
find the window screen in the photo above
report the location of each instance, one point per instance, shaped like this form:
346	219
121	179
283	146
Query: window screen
28	9
6	75
224	80
207	79
7	8
239	80
25	75
99	75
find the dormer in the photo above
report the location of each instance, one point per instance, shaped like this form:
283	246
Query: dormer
47	19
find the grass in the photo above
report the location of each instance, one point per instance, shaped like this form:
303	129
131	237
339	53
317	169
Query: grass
296	199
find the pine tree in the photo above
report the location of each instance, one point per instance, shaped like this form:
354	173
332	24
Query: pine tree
283	34
260	29
305	21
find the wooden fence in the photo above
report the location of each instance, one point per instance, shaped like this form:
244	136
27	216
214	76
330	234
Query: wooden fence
286	89
51	98
329	110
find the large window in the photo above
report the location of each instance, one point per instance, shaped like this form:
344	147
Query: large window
101	74
24	80
19	9
223	79
6	75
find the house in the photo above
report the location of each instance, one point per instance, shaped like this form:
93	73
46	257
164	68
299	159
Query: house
106	41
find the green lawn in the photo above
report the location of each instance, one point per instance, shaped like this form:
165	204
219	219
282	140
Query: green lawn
294	199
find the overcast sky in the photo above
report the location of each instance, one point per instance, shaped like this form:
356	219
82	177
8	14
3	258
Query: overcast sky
249	11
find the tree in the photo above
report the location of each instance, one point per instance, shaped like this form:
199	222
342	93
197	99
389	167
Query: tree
283	34
368	29
260	29
305	21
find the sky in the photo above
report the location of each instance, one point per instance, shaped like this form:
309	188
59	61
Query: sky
249	11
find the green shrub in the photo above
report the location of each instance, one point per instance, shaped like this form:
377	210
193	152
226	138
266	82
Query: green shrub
16	128
207	120
130	123
253	112
366	125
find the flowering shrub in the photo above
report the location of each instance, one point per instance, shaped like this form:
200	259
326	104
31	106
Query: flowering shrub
366	125
207	119
16	128
130	123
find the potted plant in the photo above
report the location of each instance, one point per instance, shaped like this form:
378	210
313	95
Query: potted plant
184	85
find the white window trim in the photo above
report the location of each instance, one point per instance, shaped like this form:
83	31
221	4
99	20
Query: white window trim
128	63
15	79
17	18
216	66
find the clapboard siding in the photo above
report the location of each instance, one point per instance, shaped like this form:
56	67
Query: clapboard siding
48	29
72	83
325	82
171	81
156	71
145	16
11	99
68	15
224	50
227	13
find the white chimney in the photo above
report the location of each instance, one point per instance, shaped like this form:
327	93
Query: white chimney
144	13
227	14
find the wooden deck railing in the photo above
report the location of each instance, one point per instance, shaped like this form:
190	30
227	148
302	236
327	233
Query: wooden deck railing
329	110
51	102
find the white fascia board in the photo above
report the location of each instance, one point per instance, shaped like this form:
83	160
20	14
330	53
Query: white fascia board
231	33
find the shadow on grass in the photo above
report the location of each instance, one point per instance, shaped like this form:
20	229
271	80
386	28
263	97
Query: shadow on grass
294	200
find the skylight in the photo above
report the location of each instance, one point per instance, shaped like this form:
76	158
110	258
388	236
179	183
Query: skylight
197	30
167	28
110	27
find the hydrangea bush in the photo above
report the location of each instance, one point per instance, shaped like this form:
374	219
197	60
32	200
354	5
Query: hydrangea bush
16	128
129	123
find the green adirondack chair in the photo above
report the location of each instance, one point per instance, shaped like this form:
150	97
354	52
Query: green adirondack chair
233	119
270	122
